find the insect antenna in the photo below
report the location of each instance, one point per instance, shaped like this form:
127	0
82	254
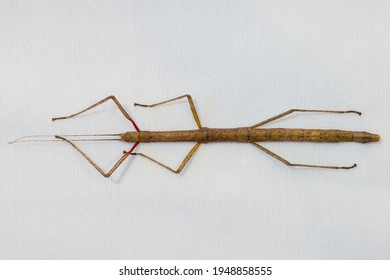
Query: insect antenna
79	138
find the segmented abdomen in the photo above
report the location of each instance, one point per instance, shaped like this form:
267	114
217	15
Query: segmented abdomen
312	135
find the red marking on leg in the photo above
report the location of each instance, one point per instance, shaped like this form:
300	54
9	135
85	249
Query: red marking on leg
132	148
134	124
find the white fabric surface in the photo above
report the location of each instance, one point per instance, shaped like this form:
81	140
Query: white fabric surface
242	61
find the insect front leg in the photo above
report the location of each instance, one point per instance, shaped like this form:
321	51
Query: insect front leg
113	98
112	170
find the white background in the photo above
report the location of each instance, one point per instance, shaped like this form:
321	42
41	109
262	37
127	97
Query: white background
242	61
110	269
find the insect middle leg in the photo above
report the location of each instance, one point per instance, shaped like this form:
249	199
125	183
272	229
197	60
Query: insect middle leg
190	101
184	162
298	164
113	98
303	111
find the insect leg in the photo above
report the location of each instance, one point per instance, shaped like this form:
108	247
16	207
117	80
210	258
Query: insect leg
190	101
113	98
184	162
116	165
304	111
297	164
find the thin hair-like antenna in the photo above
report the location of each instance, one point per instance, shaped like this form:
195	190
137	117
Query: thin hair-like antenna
22	139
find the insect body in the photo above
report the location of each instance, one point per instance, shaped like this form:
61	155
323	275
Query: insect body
252	134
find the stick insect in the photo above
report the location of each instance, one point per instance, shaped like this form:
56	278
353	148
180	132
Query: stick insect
252	134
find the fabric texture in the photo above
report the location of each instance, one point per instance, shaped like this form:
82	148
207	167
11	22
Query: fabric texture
242	62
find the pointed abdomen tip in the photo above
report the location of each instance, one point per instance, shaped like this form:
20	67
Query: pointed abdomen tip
375	138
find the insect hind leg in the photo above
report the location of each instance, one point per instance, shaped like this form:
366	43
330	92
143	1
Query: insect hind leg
272	154
288	112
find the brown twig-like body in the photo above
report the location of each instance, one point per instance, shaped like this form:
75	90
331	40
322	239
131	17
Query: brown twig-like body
251	134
